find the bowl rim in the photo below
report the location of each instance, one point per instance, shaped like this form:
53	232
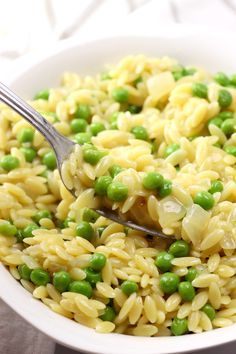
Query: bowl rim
182	344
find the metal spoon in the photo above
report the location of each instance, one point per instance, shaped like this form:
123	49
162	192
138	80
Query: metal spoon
62	148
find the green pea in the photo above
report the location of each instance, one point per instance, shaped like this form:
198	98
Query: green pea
177	74
85	230
78	125
163	261
225	98
179	326
61	281
200	90
44	174
230	149
39	277
216	186
81	287
191	275
232	80
105	76
26	135
120	95
65	224
189	71
92	276
7	229
114	117
228	126
133	109
209	311
204	199
186	291
43	95
140	132
222	79
92	156
29	153
179	248
49	160
129	287
115	170
113	120
117	191
153	180
137	81
96	128
181	72
102	184
100	230
24	271
165	189
114	126
83	112
215	121
42	214
90	215
169	282
51	114
19	236
89	146
28	230
170	149
9	163
82	138
97	261
226	115
108	315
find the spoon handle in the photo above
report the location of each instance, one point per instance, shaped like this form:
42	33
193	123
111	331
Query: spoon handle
32	116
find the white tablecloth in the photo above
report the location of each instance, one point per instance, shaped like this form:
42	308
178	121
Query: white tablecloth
34	26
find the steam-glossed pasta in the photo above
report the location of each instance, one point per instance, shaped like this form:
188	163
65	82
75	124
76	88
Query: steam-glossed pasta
157	142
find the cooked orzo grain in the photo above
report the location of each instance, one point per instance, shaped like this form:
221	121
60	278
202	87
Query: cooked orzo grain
157	141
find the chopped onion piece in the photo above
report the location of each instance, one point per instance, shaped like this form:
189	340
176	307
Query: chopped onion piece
160	85
194	223
170	210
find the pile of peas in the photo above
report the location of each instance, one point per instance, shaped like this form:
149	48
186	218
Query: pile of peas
25	138
225	120
156	182
62	280
116	191
7	228
104	186
181	72
171	282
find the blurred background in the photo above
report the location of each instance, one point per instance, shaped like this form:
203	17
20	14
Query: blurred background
35	26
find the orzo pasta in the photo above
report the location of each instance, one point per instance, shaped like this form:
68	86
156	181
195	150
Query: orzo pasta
156	142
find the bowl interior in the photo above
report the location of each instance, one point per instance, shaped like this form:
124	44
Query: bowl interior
189	46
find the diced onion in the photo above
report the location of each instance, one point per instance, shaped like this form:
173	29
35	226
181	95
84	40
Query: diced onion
160	85
170	210
194	223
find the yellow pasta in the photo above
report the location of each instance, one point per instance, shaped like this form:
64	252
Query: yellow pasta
156	142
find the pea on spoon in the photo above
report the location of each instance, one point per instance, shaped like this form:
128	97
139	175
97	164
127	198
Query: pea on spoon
62	148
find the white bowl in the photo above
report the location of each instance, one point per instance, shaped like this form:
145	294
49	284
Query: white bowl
191	45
